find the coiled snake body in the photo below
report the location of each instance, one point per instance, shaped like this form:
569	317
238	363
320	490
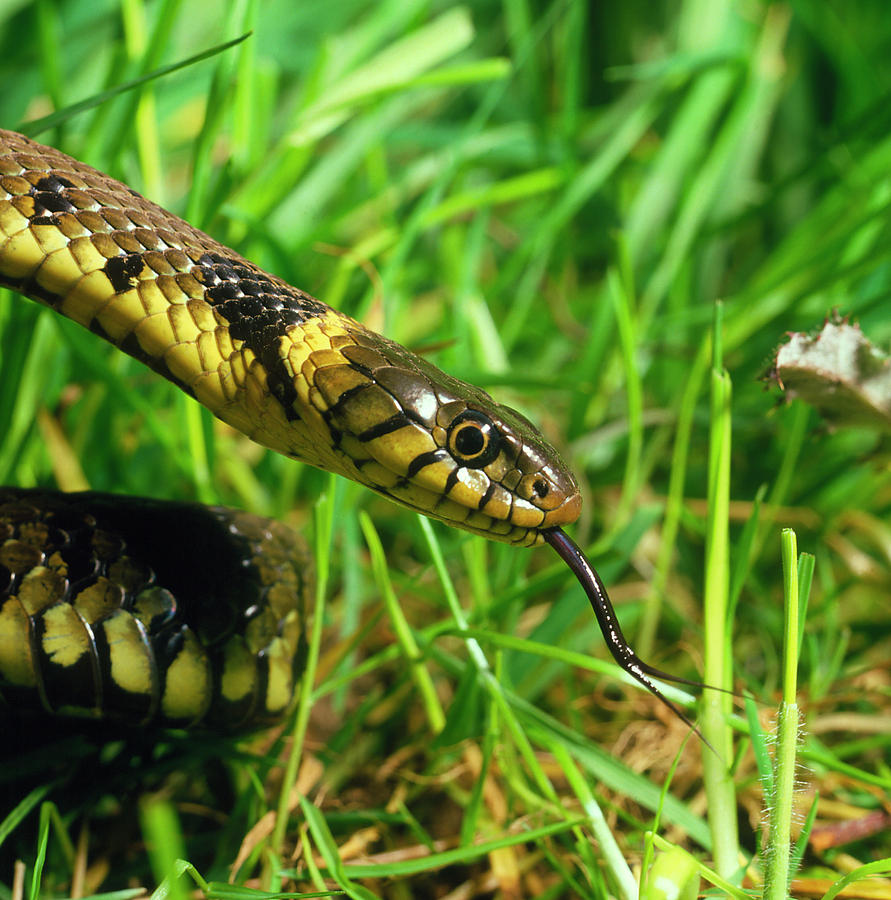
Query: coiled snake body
275	363
148	611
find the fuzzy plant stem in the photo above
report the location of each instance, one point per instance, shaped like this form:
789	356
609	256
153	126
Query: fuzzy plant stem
777	874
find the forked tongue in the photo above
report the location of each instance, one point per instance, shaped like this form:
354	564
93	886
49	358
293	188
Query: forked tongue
609	624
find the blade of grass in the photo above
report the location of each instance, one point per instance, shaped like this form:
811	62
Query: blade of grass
621	295
667	875
43	829
615	861
238	19
327	846
324	526
410	649
487	677
461	854
164	841
145	128
861	873
717	670
674	503
35	126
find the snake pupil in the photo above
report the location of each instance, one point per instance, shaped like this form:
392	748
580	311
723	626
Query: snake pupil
470	440
473	439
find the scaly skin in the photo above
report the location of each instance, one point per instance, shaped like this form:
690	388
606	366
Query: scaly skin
270	360
281	366
148	612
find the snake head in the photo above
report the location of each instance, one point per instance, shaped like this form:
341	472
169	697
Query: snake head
442	447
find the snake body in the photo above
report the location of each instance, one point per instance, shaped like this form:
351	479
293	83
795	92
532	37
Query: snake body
279	365
104	613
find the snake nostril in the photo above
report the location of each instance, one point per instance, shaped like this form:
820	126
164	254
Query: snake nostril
541	488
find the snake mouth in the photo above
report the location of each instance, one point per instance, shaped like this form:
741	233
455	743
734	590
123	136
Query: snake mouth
565	514
616	642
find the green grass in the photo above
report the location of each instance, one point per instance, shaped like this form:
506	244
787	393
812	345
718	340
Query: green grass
548	199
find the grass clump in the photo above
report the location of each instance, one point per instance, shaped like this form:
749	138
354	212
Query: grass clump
547	199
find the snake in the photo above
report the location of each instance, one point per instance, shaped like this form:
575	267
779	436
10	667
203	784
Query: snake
117	640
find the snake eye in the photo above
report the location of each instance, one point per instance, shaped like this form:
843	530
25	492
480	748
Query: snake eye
473	439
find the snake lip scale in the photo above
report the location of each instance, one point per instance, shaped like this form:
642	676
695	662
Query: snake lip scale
280	366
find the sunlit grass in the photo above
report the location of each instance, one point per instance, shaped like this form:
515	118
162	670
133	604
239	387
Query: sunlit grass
547	201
